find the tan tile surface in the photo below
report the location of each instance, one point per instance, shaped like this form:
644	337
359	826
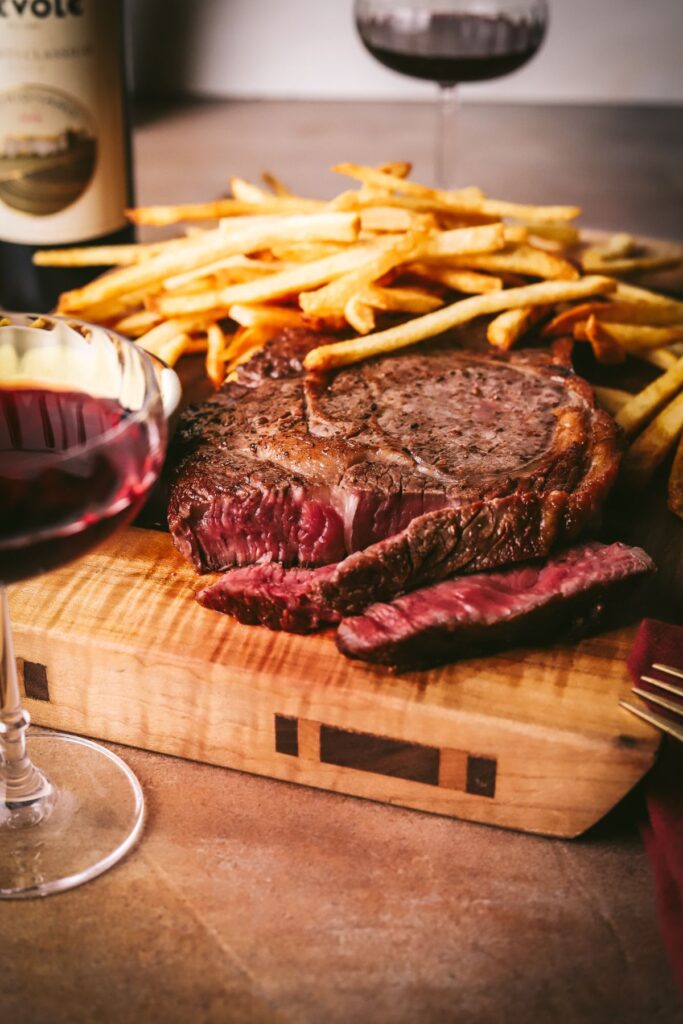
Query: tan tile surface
251	900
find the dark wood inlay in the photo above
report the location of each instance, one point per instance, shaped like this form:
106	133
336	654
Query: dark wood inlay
368	753
35	681
481	776
287	735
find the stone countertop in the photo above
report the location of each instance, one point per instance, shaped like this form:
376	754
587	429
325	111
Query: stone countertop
250	900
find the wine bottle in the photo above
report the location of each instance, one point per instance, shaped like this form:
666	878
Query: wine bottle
65	154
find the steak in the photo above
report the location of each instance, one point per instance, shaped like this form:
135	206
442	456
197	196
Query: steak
563	597
402	470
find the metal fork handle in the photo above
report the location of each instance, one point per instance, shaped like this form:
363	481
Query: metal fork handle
665	724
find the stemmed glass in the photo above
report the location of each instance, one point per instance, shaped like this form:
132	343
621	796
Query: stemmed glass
450	42
82	440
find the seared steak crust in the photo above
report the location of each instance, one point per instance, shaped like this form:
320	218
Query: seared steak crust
403	469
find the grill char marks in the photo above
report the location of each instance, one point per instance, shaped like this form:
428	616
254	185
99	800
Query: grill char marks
403	469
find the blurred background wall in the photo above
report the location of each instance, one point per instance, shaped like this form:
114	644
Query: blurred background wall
597	51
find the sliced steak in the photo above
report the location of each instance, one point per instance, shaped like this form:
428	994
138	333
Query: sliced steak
416	466
564	596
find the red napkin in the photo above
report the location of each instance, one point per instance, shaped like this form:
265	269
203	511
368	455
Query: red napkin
662	830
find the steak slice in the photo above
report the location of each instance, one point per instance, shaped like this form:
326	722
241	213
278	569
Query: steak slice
471	614
416	466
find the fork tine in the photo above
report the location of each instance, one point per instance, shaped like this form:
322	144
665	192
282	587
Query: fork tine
654	698
657	720
670	670
669	687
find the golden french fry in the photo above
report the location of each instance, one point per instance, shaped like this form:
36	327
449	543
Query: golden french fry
509	326
616	247
137	323
247	192
166	332
547	293
611	399
103	255
465	200
212	246
606	349
465	242
174	348
524	259
286	282
360	315
399	168
215	354
160	216
334	296
634	265
241	268
256	315
563	234
675	490
393	218
639	336
651	447
275	184
401	300
618	312
305	252
634	293
641	407
466	281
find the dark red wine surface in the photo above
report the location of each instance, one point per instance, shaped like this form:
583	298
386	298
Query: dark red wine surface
450	48
61	491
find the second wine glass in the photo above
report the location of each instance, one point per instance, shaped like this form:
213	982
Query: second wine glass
450	42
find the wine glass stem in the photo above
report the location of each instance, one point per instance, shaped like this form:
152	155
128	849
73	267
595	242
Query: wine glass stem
20	782
446	136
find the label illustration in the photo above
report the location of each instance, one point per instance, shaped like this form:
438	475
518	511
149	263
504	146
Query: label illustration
48	150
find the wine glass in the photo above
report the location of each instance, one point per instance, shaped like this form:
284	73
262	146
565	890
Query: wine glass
82	440
450	42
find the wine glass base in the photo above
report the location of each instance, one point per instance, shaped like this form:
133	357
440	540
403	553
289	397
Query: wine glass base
94	817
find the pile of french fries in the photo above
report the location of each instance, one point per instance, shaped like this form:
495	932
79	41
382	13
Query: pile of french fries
390	263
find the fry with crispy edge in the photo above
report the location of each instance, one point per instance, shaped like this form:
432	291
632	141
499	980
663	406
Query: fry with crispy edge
605	348
206	250
616	312
544	294
508	327
215	354
651	447
641	407
634	337
611	399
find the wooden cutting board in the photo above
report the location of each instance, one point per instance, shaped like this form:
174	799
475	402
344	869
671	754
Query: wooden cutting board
115	648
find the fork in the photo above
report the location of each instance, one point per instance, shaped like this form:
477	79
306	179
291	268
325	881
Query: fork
673	706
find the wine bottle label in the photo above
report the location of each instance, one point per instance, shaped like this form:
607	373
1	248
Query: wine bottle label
63	159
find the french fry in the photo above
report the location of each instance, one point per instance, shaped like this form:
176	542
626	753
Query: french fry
334	296
401	300
662	358
633	337
651	447
241	268
508	327
616	247
619	311
256	315
641	407
465	242
393	218
247	192
399	168
215	354
161	216
275	184
305	252
103	255
465	200
634	265
524	259
606	348
563	234
467	281
634	293
336	226
544	294
359	314
164	333
137	323
675	490
286	282
174	348
611	399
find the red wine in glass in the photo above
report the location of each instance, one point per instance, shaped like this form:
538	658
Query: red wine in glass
82	439
451	42
56	508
